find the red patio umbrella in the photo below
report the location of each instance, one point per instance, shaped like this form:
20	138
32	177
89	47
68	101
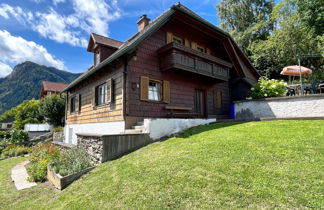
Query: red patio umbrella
295	71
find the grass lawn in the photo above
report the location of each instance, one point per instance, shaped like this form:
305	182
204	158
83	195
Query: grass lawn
274	164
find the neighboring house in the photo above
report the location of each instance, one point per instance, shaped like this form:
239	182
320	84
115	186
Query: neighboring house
176	72
49	88
6	124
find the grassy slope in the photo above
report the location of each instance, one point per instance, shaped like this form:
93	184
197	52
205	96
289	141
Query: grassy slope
257	165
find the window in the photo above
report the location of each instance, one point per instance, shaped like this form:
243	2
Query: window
154	90
73	104
177	40
101	94
9	126
97	58
201	49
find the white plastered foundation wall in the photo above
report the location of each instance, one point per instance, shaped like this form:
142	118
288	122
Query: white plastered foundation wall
158	128
71	130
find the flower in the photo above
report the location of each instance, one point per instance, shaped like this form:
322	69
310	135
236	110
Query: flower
252	89
276	93
265	95
273	86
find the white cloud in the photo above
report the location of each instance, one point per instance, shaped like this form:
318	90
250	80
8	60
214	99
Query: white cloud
56	27
15	49
4	69
91	16
95	15
55	2
16	12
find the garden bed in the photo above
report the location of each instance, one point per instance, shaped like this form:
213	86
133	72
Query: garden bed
62	182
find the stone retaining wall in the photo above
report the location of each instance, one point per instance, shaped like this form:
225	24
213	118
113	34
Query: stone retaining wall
282	107
107	147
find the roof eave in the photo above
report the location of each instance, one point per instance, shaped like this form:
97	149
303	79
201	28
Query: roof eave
119	53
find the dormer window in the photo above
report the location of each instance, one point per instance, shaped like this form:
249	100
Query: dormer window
97	58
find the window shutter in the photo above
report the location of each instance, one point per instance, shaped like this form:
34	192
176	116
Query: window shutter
80	103
194	45
77	103
187	43
144	88
94	96
110	91
166	91
208	51
169	37
68	108
218	99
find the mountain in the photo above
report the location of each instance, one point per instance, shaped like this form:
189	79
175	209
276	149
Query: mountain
25	80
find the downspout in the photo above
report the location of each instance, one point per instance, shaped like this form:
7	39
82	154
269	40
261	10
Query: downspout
125	72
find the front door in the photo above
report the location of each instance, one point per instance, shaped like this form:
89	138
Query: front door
199	100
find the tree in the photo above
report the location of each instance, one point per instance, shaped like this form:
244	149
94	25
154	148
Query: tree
53	109
26	112
312	14
246	20
290	38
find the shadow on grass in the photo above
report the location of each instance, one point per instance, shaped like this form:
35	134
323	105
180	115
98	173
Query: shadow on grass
202	128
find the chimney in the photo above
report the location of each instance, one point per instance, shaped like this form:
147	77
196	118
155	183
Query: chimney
142	22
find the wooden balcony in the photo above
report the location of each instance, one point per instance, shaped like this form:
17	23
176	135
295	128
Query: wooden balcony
177	56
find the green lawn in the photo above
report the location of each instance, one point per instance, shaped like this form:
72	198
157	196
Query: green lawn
274	164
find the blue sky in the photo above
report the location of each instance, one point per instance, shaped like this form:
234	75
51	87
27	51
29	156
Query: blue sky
56	32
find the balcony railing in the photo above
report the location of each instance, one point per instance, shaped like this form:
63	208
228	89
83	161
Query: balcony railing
177	56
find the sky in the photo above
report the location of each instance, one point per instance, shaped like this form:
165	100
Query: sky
56	32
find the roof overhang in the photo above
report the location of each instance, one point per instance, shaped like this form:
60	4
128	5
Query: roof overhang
128	47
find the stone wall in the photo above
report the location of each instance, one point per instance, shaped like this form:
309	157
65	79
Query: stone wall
58	136
93	144
107	147
310	106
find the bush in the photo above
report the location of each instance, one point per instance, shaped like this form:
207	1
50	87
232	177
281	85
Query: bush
18	136
42	155
267	88
5	135
13	136
72	161
15	150
58	129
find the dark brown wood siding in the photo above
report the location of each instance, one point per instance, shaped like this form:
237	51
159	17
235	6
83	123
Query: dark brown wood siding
182	84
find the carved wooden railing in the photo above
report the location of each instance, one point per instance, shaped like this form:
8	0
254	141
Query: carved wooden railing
177	56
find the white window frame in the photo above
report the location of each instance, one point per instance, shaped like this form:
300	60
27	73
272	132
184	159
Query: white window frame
101	94
154	90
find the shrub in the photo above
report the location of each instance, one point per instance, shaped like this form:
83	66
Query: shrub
267	88
15	150
72	161
58	129
5	135
42	155
18	136
13	136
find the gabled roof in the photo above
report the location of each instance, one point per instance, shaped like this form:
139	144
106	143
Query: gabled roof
131	43
8	120
102	40
53	86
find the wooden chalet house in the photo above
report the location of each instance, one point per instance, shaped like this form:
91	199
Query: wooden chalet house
50	88
176	72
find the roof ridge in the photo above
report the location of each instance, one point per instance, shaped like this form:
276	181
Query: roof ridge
107	37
